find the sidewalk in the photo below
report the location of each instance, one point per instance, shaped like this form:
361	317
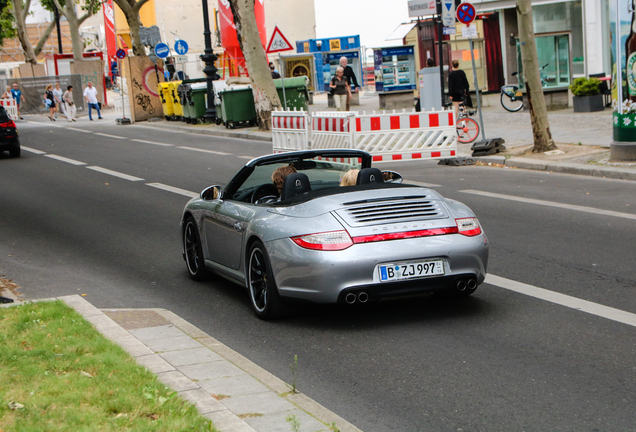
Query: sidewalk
227	388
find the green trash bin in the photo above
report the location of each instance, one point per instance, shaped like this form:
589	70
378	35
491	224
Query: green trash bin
296	93
198	100
237	106
185	98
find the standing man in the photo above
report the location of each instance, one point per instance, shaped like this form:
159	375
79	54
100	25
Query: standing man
351	78
273	71
90	94
114	71
17	96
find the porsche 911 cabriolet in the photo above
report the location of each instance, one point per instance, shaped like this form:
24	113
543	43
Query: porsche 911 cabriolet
325	226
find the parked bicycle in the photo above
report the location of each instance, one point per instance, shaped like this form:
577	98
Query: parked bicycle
467	128
513	100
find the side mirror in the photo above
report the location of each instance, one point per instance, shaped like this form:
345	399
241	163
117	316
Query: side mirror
392	177
211	193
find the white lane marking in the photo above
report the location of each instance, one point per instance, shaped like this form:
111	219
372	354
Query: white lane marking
78	129
162	129
247	157
204	151
552	204
152	142
173	189
421	183
110	136
32	150
63	159
564	300
114	173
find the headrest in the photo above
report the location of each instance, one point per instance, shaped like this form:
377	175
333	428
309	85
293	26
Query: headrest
369	175
295	184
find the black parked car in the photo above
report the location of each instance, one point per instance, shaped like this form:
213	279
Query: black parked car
9	140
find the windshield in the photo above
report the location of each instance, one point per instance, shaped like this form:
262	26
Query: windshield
322	174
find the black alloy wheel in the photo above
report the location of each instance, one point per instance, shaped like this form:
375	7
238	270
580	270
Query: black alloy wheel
264	297
194	251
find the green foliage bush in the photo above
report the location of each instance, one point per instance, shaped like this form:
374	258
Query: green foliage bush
585	87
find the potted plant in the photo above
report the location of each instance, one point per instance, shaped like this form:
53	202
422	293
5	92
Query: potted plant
587	96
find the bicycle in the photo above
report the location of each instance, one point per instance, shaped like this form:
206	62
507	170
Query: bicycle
467	128
513	101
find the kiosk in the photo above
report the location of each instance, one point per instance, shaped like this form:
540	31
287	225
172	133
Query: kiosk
395	76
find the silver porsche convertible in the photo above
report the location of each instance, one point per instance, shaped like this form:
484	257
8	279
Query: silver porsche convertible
324	226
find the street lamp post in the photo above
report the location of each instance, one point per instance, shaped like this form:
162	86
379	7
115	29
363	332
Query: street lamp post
210	70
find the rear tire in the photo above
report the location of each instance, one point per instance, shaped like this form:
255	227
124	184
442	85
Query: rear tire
264	296
15	152
510	105
193	250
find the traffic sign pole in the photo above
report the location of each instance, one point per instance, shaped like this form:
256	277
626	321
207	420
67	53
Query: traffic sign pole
440	31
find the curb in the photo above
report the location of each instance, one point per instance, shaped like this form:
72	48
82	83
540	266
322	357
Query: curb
561	167
153	347
247	134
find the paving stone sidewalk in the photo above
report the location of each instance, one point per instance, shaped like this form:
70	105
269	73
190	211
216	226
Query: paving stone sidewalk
227	388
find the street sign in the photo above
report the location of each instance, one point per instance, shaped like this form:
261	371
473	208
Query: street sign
469	31
278	42
162	50
181	47
418	8
449	31
182	59
121	54
448	12
466	13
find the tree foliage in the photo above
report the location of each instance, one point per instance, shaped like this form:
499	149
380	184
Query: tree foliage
7	30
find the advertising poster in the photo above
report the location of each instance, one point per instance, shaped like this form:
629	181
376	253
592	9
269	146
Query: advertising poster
623	49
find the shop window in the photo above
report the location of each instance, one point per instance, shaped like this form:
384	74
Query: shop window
554	60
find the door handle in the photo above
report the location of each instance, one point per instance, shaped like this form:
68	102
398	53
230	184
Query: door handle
238	227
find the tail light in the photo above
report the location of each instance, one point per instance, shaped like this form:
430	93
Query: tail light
8	124
468	226
327	241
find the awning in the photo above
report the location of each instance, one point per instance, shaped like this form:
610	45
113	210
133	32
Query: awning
401	31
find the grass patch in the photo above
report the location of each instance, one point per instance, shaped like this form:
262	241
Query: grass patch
67	376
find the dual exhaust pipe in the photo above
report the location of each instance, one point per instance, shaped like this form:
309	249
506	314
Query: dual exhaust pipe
464	285
361	297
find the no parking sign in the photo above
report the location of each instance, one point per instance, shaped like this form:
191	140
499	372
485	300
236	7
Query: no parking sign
466	13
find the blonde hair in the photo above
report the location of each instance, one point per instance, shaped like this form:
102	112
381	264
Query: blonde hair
350	178
278	177
339	69
49	86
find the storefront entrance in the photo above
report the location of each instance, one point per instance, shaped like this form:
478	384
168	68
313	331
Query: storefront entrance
553	52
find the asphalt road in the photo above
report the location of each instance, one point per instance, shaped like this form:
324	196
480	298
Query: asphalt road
498	361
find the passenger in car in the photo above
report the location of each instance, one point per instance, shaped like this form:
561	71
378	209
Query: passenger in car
278	177
350	178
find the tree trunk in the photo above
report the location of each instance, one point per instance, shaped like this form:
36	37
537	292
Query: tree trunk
30	54
76	38
263	88
536	101
131	9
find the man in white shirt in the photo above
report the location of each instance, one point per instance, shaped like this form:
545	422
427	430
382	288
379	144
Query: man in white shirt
90	94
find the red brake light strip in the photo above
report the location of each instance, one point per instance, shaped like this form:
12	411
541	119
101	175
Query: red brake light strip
405	235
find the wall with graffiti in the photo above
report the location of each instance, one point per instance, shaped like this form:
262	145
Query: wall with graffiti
143	76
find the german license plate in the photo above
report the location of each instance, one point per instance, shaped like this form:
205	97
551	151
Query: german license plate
411	270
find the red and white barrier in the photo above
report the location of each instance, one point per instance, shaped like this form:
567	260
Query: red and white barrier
407	136
386	136
290	130
10	107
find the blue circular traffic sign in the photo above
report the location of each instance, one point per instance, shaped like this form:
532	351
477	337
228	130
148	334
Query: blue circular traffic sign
162	50
466	13
121	54
181	47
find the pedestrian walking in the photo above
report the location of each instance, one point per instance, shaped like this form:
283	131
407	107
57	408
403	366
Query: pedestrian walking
457	86
17	96
114	71
59	102
70	104
49	101
351	79
90	94
341	89
7	93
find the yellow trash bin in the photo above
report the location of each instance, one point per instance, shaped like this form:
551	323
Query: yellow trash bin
166	99
178	109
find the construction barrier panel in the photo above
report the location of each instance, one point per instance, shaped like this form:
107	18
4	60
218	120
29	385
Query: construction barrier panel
406	136
290	130
10	107
331	130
